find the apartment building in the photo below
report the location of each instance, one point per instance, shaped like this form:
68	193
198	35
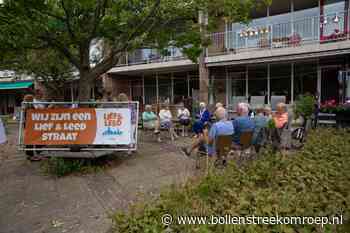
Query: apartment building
290	48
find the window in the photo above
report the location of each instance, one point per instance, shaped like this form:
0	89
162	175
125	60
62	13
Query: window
150	90
164	87
257	80
305	78
280	80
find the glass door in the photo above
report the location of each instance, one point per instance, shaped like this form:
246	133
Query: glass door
333	19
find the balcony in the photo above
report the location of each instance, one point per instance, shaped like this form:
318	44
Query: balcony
147	56
292	34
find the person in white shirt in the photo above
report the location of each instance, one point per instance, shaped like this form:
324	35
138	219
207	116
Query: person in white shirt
38	99
165	118
3	138
184	118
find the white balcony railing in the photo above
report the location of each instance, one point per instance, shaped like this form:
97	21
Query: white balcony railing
145	56
319	29
298	32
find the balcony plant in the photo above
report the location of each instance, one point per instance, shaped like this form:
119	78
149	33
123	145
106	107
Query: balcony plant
342	111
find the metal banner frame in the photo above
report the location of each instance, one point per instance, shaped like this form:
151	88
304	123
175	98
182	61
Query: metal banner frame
93	104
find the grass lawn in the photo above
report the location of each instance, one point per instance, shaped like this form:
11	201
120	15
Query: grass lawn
312	182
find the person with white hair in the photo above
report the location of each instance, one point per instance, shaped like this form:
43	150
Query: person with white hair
150	120
203	118
222	127
3	138
184	117
165	118
242	123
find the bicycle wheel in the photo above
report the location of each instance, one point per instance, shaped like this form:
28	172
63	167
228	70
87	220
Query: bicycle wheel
298	138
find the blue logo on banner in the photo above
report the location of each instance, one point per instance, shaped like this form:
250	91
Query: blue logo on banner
111	132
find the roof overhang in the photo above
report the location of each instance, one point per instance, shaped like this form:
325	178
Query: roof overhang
281	54
15	85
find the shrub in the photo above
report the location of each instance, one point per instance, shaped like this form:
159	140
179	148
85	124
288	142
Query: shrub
305	106
312	182
63	166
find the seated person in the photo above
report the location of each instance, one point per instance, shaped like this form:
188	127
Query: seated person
207	138
150	120
203	118
165	118
242	123
260	121
184	115
268	112
280	117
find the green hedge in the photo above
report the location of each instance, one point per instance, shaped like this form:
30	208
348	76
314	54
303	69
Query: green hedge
312	182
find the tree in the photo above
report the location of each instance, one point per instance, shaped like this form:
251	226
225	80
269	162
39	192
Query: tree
66	29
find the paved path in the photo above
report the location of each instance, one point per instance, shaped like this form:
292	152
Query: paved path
31	202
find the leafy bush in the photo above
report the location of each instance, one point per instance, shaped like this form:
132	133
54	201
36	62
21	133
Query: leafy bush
305	106
62	167
312	182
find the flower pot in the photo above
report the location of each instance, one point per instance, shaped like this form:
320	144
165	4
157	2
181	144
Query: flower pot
343	118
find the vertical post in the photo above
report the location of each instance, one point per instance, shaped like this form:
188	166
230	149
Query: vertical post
226	37
292	83
227	87
319	82
130	89
172	87
292	12
246	82
71	92
188	85
126	58
157	91
268	83
143	89
321	19
203	70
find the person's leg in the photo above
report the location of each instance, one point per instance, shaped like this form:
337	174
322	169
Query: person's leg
156	126
196	144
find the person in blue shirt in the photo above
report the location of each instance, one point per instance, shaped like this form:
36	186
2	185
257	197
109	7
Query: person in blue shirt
203	118
222	127
243	123
260	121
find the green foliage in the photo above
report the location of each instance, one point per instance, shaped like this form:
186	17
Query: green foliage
305	106
62	167
68	28
312	182
271	124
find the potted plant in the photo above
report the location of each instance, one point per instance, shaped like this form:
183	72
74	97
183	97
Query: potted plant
305	108
341	111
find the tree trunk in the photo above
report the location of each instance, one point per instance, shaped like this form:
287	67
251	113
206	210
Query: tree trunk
85	86
85	81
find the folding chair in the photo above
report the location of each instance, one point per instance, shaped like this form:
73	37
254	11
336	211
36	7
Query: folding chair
223	147
275	99
256	101
245	144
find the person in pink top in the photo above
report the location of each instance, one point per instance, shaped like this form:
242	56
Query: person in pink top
281	116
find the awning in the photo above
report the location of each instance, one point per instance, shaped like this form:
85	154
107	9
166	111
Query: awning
15	85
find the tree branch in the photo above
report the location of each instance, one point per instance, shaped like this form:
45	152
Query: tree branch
67	20
56	44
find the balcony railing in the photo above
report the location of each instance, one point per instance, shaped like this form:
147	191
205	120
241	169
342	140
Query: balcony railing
146	56
319	29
